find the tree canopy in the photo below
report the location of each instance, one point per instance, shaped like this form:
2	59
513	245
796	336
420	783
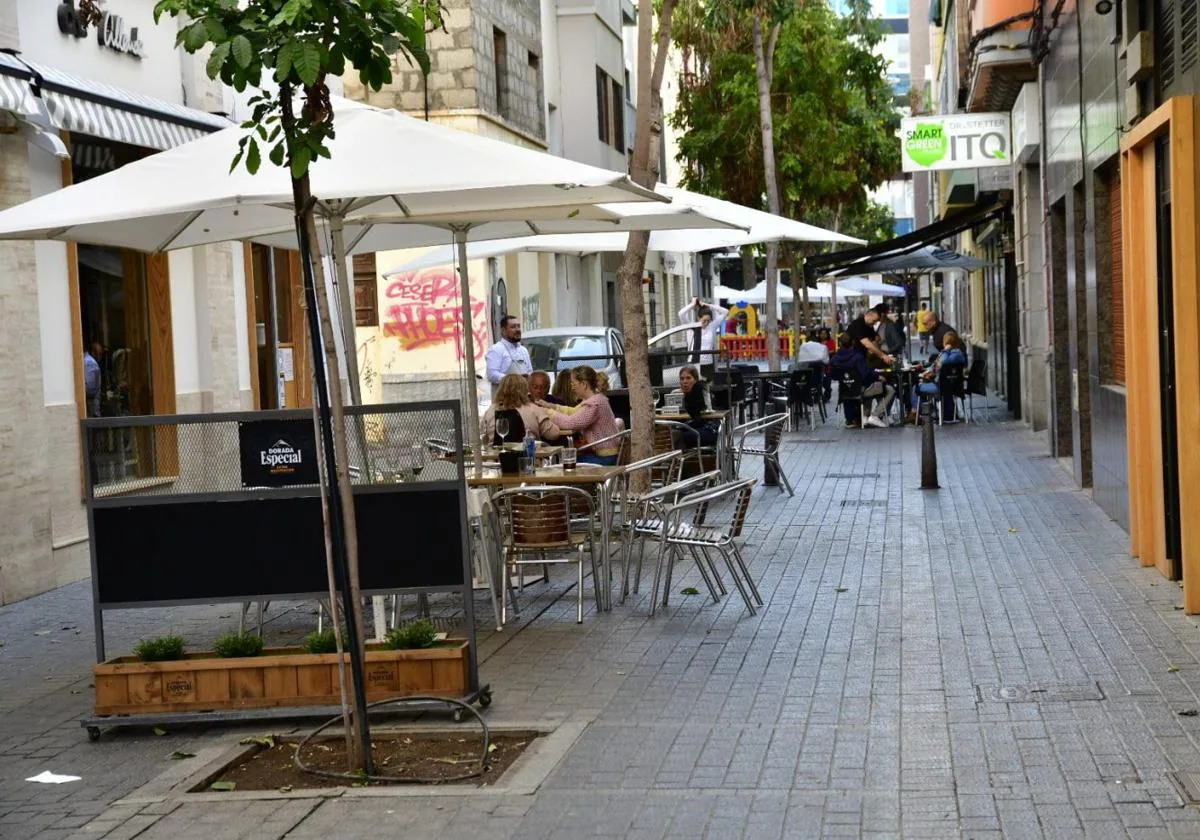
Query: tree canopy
834	117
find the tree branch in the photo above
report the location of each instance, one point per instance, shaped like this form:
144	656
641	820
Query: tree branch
664	44
772	42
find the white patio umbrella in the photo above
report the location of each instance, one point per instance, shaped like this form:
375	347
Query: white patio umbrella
755	227
868	286
758	294
421	182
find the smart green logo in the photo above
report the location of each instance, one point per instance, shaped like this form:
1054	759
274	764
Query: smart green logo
927	144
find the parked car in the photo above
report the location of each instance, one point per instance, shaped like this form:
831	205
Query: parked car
562	348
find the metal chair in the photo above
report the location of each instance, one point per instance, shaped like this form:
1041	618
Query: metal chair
538	521
710	520
771	428
672	435
620	441
850	391
977	386
647	514
952	383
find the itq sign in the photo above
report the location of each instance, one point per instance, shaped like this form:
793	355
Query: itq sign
961	141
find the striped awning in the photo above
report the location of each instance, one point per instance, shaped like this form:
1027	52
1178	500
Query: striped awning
84	106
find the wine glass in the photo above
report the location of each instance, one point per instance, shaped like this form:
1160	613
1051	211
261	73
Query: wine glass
418	459
502	428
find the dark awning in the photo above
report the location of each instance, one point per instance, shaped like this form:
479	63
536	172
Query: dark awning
980	213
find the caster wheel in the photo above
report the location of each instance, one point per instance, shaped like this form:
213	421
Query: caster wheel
457	715
93	733
485	699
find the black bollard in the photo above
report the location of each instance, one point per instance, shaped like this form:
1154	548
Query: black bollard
929	480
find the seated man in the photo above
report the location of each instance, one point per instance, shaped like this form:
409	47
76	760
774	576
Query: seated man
847	358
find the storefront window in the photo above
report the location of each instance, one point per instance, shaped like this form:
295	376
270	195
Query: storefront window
122	343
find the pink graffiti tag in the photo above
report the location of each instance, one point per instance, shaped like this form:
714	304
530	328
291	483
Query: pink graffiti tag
424	311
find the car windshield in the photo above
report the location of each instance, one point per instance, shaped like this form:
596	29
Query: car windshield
560	352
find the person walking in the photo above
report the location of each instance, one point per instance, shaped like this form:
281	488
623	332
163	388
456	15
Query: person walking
508	355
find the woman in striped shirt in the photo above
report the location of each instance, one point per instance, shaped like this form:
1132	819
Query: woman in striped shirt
593	418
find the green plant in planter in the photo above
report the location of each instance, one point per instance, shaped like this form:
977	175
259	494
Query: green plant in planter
159	649
235	645
412	636
322	641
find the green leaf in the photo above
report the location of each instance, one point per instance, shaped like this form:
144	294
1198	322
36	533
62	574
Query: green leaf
300	161
195	36
159	731
276	154
217	59
216	30
243	54
689	590
237	159
289	12
283	60
267	741
181	754
223	786
840	589
253	157
307	62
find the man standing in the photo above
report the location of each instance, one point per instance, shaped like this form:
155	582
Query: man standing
92	377
710	317
922	333
507	355
863	337
894	339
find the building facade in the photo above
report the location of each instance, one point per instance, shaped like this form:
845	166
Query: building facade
92	330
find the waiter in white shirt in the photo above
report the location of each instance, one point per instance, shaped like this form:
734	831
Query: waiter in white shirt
711	317
508	355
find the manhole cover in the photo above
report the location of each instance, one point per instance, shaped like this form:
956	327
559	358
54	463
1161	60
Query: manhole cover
852	475
1054	693
863	503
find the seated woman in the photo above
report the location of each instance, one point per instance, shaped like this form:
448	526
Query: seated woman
952	353
592	418
562	392
512	400
694	405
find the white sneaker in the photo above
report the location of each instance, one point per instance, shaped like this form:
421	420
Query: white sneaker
877	422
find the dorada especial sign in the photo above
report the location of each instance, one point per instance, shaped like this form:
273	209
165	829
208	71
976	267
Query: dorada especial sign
110	34
959	141
278	453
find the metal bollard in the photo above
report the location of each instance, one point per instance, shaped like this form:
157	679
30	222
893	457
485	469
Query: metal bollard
929	479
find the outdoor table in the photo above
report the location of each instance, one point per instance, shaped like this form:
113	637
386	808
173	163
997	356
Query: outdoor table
764	377
584	475
725	441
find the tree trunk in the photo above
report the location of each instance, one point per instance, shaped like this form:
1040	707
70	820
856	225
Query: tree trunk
644	171
341	455
767	124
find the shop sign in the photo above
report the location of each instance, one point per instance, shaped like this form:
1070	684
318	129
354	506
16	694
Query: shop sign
959	141
111	34
278	453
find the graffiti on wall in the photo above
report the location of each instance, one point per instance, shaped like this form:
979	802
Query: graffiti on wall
422	309
531	311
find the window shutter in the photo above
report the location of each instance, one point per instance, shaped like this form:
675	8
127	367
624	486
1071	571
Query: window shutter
1187	35
1166	43
366	300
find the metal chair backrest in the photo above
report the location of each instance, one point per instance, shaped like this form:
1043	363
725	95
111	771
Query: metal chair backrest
977	378
540	517
952	380
663	467
850	387
619	441
771	427
703	502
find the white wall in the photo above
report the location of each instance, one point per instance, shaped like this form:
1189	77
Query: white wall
157	74
54	293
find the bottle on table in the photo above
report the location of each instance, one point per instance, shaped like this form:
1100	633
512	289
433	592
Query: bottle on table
529	447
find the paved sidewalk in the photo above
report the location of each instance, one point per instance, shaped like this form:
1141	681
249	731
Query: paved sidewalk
981	661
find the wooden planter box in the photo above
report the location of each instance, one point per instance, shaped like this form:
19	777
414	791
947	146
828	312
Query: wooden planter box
280	677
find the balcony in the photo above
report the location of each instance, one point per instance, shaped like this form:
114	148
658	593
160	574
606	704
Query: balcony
1000	58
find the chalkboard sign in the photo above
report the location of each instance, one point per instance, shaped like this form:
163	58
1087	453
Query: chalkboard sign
278	453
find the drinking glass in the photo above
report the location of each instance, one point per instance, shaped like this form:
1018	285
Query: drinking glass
502	428
569	456
418	459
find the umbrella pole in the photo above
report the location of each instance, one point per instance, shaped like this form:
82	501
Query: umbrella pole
460	241
346	304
